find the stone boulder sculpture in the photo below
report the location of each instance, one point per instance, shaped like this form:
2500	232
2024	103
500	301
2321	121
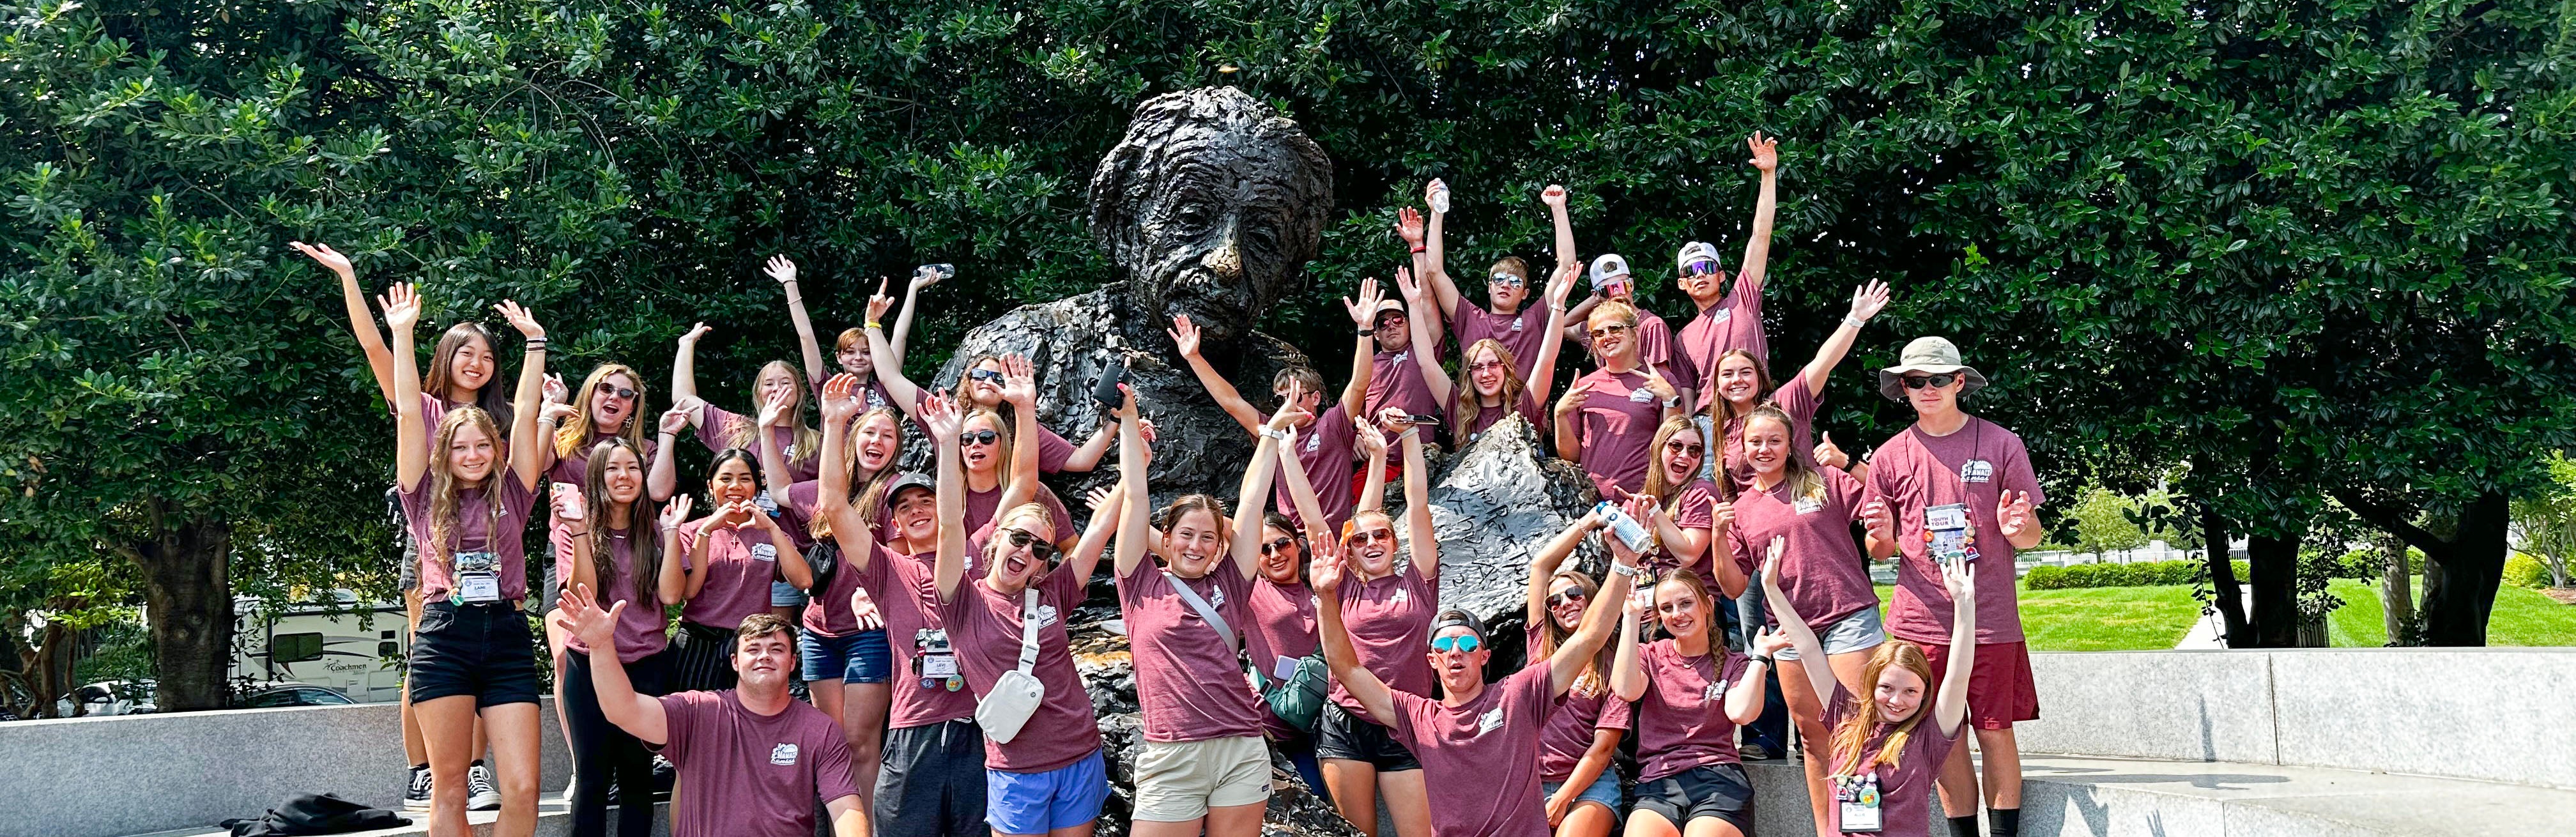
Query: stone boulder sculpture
1493	504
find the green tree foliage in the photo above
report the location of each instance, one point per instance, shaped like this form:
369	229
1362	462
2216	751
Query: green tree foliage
2264	238
2545	522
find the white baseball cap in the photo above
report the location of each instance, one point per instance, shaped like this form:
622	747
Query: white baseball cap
1608	270
1696	251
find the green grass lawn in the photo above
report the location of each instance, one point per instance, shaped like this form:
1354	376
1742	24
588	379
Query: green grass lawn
2102	618
2522	617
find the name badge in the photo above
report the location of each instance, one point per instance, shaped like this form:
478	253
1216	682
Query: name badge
764	552
1642	395
477	581
1808	505
1858	798
767	506
933	660
1949	534
782	755
1490	721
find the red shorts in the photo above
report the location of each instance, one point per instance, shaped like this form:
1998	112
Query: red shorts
1999	684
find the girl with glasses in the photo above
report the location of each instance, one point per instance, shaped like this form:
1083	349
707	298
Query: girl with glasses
980	388
1001	470
1507	316
1742	383
1606	421
1681	507
1283	630
1578	741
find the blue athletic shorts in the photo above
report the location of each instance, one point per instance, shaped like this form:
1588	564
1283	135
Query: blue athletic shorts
783	594
1604	790
1036	803
858	658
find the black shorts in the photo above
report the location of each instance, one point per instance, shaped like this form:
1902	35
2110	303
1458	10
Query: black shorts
1713	790
1344	735
482	650
932	782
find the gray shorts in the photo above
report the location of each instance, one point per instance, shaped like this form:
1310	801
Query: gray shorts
932	782
410	573
1860	631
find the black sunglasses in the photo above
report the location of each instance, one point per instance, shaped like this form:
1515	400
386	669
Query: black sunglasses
1277	545
1920	381
1038	547
979	437
1559	599
993	375
606	388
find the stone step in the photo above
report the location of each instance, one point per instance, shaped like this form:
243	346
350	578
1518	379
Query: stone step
554	819
2076	796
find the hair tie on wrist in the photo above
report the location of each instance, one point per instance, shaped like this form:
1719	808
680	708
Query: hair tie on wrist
875	325
1418	249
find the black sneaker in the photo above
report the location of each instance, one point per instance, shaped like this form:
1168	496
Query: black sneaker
416	790
480	794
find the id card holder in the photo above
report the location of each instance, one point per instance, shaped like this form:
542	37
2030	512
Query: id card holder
933	661
1858	800
476	583
1950	534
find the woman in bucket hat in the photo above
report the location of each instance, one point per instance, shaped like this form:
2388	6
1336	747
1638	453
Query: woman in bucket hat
1962	491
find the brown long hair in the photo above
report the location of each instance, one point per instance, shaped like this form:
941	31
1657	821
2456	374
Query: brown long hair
1667	495
1803	481
809	444
1690	580
575	433
1464	405
1590	683
867	489
444	502
1721	410
492	398
1853	733
644	545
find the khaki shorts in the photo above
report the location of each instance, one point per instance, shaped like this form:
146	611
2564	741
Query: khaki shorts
1179	781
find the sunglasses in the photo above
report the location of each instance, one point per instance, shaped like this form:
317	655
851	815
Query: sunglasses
979	437
1608	330
1038	547
1483	365
1509	281
1369	537
1921	381
606	388
1555	600
1701	267
1461	644
1693	450
1277	545
991	375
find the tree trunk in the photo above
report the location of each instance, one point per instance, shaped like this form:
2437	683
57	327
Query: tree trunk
188	587
2396	593
2458	601
2230	598
2274	564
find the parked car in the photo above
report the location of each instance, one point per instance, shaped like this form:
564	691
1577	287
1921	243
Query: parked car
291	694
109	697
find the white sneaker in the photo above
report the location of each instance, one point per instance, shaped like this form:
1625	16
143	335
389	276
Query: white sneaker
480	794
569	784
416	790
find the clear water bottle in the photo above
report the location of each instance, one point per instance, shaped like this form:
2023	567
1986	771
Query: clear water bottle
1439	196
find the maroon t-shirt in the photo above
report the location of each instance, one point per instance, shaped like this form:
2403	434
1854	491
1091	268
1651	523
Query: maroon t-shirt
716	429
1282	632
1390	624
1519	331
1690	513
1820	568
743	774
1189	685
1681	719
1792	398
1395	380
575	469
906	590
828	612
1568	734
640	626
1975	465
433	412
1615	426
738	574
1324	447
984	625
1479	759
1528	408
471	534
1735	322
1053	450
983	506
1903	788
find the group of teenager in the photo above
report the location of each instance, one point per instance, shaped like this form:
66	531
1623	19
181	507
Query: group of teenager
926	615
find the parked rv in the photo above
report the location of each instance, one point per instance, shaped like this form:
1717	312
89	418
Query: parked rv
351	647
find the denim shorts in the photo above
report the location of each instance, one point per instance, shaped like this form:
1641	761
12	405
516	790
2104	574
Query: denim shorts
1860	631
783	594
1036	803
857	658
1604	790
482	650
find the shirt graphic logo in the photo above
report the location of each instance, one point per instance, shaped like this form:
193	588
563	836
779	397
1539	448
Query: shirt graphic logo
1721	315
1516	325
782	755
1401	357
1314	442
1046	615
1398	598
1641	395
1977	470
1217	598
1715	691
1490	721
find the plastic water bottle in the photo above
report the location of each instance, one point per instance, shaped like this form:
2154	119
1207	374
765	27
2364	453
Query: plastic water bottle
1439	196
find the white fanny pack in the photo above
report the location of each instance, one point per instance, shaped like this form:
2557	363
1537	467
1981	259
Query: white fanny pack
1016	695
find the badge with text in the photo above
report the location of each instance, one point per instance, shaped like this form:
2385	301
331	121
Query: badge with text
1857	798
477	581
1949	534
764	552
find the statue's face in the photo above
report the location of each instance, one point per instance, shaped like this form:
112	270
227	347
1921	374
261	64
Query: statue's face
1213	231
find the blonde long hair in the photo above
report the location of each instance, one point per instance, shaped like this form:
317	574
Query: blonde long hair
1853	733
444	503
574	435
1803	482
867	490
1464	404
809	443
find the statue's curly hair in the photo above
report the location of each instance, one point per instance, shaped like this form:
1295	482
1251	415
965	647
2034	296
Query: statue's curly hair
1129	174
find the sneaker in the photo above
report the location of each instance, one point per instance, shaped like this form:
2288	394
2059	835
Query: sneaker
569	784
480	794
416	790
1752	751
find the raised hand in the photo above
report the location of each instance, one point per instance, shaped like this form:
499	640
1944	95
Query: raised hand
1553	196
554	390
695	332
1874	516
1372	441
402	306
1868	299
1126	410
939	416
676	419
324	254
1020	383
923	278
781	268
773	411
1185	335
521	318
1404	283
1769	643
1771	561
1324	573
1098	496
879	303
1435	194
2012	512
580	612
1364	312
1960	579
1828	454
1292	411
1766	152
557	413
840	399
676	513
1395	421
1408	226
1561	287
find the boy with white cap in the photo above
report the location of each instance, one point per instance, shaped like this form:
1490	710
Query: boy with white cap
1729	321
1961	489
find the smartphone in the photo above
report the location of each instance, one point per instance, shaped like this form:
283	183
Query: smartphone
567	497
1106	392
944	271
1623	527
1424	420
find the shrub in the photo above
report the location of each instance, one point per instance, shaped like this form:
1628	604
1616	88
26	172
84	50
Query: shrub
2142	574
2525	571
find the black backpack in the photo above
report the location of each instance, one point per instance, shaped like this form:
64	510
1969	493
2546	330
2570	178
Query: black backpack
316	814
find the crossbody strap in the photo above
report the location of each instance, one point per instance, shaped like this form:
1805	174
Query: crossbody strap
1028	629
1205	612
